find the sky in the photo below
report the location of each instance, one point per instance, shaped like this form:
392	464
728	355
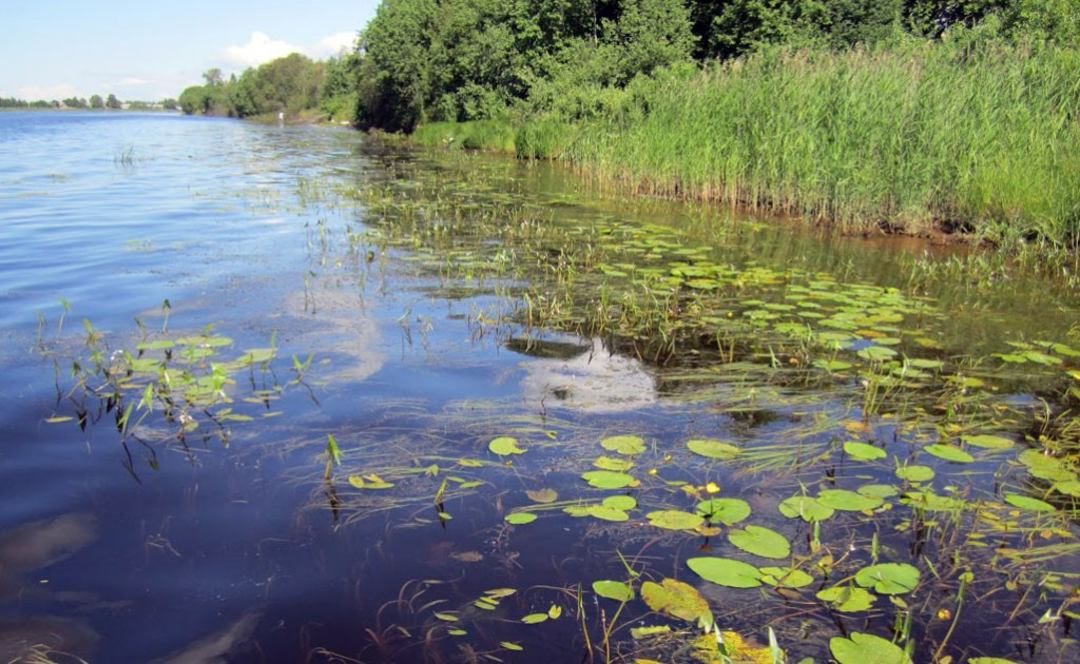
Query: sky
148	50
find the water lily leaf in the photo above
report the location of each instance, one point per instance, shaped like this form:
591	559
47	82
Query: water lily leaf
535	618
861	648
674	520
1041	358
889	578
510	645
554	611
160	344
608	513
456	632
623	503
1029	503
713	449
606	479
915	473
988	441
577	511
878	490
1069	488
933	502
990	660
920	363
446	616
949	453
832	365
807	508
610	463
520	518
616	590
844	500
726	572
505	446
628	445
727	511
1045	467
785	577
847	599
876	353
760	541
863	451
543	496
677	599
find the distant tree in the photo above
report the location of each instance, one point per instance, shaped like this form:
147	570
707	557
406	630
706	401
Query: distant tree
112	102
213	77
75	102
96	101
169	104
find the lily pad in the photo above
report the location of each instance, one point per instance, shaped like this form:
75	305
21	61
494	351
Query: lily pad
713	449
876	353
1029	503
520	518
1045	467
628	445
847	599
878	490
889	578
807	508
674	520
949	453
760	541
611	463
677	599
623	503
535	618
726	572
860	648
606	479
505	446
785	577
987	441
606	513
844	500
616	590
543	495
863	451
727	511
915	473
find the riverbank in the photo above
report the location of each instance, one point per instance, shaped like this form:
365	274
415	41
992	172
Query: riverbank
980	141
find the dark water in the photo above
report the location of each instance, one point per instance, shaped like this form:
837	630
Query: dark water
235	542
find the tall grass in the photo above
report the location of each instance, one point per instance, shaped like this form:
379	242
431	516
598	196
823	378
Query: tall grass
980	137
972	135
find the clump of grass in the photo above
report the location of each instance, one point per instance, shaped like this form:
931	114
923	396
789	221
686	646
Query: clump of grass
980	137
477	135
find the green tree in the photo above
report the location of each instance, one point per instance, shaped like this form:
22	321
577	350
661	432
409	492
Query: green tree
112	102
97	102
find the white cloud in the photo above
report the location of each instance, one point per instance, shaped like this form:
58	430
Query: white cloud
47	92
133	81
260	48
333	45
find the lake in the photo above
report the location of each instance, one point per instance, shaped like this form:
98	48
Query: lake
280	394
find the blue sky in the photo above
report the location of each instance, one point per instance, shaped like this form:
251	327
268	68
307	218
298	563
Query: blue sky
149	50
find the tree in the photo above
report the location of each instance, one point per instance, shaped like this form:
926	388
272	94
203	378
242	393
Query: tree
213	77
113	103
97	102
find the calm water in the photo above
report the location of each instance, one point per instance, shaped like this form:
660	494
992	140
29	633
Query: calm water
395	330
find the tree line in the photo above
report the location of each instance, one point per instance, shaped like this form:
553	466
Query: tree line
459	60
95	102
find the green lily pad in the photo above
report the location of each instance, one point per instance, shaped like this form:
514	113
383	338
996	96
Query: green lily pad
785	577
623	503
987	441
760	541
505	446
611	463
849	501
928	500
832	365
727	511
713	449
628	445
674	520
915	473
889	578
535	618
876	353
862	648
616	590
847	599
677	599
543	496
863	451
1029	503
878	491
1045	467
990	660
520	518
726	572
1069	488
606	479
920	363
949	453
807	508
606	513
